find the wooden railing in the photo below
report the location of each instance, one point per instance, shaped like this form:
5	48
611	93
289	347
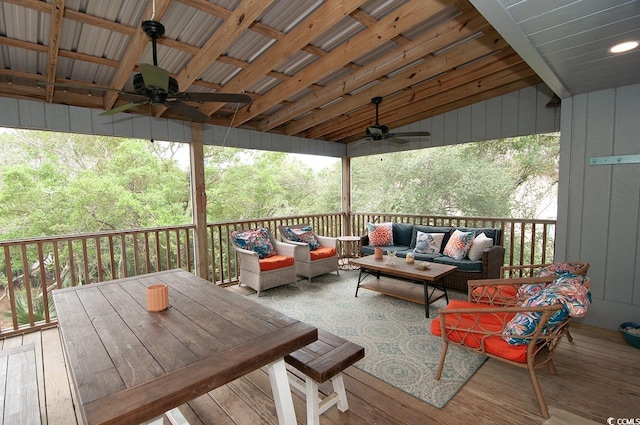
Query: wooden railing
31	268
525	241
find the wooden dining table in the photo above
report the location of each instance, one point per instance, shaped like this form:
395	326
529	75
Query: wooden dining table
130	365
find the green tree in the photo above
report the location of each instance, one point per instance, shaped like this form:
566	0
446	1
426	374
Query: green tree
500	178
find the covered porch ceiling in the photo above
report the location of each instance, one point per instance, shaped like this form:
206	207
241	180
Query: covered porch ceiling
312	66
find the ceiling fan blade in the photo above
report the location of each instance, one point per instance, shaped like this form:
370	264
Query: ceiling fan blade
154	76
215	97
413	134
375	130
393	139
188	111
123	108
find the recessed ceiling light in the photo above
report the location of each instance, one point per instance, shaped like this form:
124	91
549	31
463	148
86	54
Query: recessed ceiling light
624	47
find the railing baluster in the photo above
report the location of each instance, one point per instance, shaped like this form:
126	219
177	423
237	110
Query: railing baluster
99	259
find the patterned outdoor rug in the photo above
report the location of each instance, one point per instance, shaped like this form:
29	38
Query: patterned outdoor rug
399	348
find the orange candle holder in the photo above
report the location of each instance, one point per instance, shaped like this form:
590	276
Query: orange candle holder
157	297
377	253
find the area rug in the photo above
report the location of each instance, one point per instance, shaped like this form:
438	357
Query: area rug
399	348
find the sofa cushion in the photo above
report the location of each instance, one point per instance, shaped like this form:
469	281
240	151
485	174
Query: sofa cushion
490	232
462	265
428	243
322	252
380	234
459	244
370	249
430	229
402	233
420	257
276	262
480	243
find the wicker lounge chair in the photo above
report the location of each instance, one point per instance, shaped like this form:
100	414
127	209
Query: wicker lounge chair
312	262
266	273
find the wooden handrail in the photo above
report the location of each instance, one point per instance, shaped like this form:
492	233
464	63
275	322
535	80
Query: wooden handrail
35	266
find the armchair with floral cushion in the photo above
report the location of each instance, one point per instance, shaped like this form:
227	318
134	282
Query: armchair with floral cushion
524	330
316	254
264	261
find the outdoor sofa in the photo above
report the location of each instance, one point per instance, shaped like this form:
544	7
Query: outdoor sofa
484	264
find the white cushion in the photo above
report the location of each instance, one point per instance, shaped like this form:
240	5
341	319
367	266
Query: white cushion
480	243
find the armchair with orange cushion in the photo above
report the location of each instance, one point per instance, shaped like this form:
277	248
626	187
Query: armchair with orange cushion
524	332
264	262
316	255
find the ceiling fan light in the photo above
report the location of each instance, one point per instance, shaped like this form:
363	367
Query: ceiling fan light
623	47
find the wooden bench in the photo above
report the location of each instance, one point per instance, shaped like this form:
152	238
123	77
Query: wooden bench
19	402
322	360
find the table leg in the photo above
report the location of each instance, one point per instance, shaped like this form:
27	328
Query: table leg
281	393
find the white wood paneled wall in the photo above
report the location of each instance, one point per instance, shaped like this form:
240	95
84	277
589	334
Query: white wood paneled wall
518	113
598	205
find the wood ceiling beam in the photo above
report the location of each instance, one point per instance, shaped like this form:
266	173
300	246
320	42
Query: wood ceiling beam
61	52
321	122
20	44
431	66
130	58
223	13
440	36
321	20
55	29
357	121
99	22
405	114
238	21
402	19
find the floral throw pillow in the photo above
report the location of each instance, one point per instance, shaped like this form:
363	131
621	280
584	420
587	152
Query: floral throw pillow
380	234
256	240
428	243
303	234
459	244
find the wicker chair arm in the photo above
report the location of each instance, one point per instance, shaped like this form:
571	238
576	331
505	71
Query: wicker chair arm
326	241
288	249
500	292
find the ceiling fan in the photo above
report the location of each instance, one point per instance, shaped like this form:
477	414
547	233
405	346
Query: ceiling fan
379	132
154	86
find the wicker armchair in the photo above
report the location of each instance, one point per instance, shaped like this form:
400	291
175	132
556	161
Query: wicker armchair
261	274
479	325
312	263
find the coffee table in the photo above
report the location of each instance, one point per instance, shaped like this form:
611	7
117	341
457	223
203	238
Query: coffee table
370	266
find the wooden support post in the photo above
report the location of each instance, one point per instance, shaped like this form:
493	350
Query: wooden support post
198	201
346	196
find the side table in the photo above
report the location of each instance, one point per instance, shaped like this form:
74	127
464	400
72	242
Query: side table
349	248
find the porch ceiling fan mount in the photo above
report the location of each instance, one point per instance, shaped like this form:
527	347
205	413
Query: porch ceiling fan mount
378	132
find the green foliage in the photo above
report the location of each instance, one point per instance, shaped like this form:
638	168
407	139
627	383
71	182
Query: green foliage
22	308
54	183
500	178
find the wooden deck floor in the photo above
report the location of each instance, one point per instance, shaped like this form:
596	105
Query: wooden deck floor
598	377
